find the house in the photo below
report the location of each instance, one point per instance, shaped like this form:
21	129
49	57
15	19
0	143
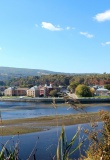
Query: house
63	89
14	91
42	91
102	92
45	90
37	91
20	91
95	87
9	91
33	91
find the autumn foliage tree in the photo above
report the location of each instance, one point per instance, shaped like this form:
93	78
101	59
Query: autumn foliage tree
107	86
73	86
83	91
92	91
53	93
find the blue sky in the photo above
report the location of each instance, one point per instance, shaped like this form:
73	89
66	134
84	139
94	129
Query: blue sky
58	35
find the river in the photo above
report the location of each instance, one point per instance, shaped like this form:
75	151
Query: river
16	110
46	141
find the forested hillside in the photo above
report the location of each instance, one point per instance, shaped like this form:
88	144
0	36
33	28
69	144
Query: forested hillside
29	77
65	80
7	73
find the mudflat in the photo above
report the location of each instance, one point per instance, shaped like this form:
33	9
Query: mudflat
28	125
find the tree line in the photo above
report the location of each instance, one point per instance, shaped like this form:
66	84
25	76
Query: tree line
56	80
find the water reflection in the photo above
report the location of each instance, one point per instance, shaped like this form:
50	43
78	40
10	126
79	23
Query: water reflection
47	142
16	110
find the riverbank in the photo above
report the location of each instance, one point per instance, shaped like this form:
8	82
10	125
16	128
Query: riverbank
56	99
28	125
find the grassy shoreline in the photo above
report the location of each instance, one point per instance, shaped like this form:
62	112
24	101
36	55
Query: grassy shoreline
29	125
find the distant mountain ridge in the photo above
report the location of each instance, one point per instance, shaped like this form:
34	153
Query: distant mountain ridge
7	73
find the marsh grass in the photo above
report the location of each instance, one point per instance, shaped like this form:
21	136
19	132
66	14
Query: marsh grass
10	151
65	149
99	148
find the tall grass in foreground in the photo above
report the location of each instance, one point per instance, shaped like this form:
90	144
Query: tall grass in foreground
99	148
64	149
9	154
10	150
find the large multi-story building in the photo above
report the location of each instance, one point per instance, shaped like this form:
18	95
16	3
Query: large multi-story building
33	92
14	91
9	91
45	90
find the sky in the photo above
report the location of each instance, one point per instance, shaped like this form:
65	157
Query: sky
71	36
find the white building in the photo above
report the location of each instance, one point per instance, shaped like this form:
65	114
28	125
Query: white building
102	92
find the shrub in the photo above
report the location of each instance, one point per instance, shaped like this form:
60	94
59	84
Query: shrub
83	91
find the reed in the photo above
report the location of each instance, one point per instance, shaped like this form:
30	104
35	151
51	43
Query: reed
99	148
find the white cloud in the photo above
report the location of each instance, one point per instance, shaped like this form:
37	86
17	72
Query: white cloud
51	27
100	17
69	28
105	43
86	34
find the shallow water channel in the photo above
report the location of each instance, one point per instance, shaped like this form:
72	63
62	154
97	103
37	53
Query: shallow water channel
46	141
16	110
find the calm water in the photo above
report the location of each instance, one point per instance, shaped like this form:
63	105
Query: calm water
16	110
47	142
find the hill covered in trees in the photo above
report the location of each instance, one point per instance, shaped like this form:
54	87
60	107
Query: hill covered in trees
7	73
58	79
29	77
